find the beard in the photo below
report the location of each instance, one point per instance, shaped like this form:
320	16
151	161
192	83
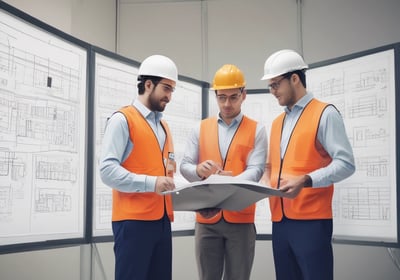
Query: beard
292	97
156	104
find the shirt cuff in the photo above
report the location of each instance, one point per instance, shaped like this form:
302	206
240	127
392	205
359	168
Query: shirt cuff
150	183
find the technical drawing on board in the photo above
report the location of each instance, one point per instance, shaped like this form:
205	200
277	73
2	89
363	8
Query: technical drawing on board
363	90
42	134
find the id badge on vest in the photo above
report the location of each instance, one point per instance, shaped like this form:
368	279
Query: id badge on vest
170	164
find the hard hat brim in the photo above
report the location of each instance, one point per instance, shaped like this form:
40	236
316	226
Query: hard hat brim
271	76
274	75
227	87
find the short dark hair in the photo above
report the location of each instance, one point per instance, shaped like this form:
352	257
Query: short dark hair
300	73
143	78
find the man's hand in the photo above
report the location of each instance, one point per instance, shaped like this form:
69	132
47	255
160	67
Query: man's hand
292	187
164	184
207	168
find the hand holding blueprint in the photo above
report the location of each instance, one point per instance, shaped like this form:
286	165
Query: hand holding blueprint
223	192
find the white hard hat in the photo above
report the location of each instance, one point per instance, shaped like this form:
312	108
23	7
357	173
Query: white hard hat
282	62
159	66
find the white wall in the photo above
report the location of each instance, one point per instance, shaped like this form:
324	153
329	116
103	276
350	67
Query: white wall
203	35
341	27
93	21
60	264
200	36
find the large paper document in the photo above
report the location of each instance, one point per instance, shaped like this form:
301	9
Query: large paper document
223	192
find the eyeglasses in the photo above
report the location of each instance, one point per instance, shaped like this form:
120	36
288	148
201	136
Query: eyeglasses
275	85
167	87
232	98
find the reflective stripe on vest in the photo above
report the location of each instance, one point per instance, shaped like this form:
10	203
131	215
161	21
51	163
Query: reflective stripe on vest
147	160
302	156
236	161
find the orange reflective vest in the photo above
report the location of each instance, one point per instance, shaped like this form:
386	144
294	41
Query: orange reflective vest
235	161
145	158
303	155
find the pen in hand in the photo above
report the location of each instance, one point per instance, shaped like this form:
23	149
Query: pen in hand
207	168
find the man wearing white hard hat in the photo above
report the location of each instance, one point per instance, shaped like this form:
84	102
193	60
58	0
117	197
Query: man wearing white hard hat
137	162
309	151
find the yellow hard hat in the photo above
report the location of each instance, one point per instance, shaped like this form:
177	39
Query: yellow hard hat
228	76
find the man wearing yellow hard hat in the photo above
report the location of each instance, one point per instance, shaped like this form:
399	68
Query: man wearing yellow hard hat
230	144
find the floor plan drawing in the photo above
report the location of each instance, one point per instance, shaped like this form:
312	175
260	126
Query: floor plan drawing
42	134
363	90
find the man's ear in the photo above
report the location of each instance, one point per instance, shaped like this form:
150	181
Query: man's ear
295	79
148	84
244	92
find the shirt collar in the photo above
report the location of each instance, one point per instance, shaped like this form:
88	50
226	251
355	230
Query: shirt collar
301	103
235	120
146	112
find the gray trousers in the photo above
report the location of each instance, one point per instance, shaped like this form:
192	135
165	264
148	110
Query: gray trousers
224	249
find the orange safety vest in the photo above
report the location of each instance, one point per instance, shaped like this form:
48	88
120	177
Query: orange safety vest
145	158
302	156
236	161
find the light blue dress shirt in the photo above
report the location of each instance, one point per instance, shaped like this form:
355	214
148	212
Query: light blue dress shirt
255	160
332	136
117	146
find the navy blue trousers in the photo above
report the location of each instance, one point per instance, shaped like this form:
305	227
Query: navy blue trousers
143	250
302	249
